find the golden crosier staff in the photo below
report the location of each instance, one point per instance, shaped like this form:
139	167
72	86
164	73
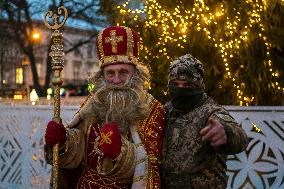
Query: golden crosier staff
57	60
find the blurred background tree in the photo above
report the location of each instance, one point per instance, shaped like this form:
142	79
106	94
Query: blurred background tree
239	42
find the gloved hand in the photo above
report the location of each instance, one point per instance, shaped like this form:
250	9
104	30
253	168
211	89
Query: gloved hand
55	133
110	141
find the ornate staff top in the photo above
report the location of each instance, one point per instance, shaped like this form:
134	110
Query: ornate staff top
61	10
57	54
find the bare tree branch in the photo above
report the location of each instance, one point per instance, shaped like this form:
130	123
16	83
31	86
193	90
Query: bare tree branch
80	43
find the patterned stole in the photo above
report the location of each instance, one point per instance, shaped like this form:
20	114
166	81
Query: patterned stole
150	131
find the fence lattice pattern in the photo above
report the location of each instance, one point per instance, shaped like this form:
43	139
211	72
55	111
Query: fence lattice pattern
22	164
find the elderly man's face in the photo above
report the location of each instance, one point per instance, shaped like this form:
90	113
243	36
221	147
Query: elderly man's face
118	73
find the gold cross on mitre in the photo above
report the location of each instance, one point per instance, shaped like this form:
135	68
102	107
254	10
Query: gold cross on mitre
113	39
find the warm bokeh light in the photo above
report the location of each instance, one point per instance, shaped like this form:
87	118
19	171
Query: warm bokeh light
25	62
36	36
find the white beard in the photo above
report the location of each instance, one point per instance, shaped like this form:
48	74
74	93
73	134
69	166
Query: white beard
125	104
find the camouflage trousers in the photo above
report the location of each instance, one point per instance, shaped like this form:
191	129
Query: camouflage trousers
189	181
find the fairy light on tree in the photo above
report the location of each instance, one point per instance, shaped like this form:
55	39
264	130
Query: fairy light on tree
228	28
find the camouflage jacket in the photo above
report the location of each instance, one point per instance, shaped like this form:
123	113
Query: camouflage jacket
190	163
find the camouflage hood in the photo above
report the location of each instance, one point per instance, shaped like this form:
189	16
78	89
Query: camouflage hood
189	69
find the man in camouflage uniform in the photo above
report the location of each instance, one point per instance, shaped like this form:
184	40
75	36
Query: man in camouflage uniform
199	133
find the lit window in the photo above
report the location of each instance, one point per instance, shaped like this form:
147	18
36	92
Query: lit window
19	76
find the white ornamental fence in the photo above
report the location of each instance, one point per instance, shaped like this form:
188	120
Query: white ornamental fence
22	165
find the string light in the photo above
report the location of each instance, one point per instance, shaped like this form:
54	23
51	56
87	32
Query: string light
176	27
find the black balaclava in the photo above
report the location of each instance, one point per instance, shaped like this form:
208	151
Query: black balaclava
189	69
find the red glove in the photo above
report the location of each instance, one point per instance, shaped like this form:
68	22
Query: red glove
55	133
110	141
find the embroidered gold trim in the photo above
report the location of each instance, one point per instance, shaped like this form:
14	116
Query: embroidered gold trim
87	144
150	175
100	43
147	121
96	148
130	42
106	60
145	131
94	180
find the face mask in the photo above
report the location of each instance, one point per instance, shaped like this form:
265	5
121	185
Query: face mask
185	98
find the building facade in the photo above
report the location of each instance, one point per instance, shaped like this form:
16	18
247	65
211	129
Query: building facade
15	69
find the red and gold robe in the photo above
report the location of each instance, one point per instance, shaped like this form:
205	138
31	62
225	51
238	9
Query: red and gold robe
80	149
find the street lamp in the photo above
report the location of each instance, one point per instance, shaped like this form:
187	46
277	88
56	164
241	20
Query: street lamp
34	97
36	36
